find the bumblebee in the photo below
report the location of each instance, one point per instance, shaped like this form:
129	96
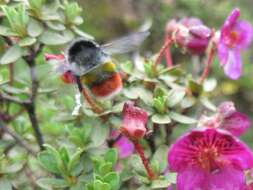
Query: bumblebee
93	64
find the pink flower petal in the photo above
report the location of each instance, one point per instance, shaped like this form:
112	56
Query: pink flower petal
231	20
124	146
224	179
233	66
245	33
226	109
222	53
49	56
237	123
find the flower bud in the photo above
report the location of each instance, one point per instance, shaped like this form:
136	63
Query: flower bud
134	121
192	35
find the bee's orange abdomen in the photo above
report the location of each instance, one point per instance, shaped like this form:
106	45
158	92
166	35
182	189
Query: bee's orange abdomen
108	86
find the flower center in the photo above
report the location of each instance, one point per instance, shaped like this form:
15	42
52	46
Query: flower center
207	158
232	39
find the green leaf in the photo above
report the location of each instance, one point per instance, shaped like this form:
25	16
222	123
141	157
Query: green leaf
64	155
48	162
28	41
54	25
208	104
99	135
81	33
52	38
51	183
160	184
175	97
111	156
139	92
161	118
34	28
99	185
11	55
57	157
137	165
182	118
6	31
161	157
188	102
113	179
74	161
105	168
159	92
159	104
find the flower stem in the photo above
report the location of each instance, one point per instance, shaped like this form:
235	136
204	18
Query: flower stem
208	62
168	54
166	46
97	109
144	160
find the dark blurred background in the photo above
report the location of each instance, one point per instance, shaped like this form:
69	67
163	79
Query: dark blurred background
107	19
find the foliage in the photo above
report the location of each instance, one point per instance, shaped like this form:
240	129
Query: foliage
51	138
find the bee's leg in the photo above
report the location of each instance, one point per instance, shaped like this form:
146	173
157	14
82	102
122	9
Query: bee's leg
91	102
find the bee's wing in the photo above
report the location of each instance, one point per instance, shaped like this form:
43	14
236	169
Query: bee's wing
125	44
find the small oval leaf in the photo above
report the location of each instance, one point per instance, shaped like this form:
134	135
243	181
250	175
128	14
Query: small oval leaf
11	55
161	119
182	118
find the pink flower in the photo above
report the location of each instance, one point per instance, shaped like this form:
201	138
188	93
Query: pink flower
124	146
235	122
210	159
235	36
192	35
134	121
227	118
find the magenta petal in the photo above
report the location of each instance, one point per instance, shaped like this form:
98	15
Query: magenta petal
227	179
224	179
125	147
237	123
233	66
190	179
239	155
245	32
232	18
222	53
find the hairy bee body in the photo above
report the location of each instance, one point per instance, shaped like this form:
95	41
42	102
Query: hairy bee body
93	64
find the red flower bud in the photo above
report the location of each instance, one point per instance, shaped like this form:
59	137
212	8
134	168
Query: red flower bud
134	121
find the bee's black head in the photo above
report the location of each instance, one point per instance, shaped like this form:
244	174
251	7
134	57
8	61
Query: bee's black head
85	54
